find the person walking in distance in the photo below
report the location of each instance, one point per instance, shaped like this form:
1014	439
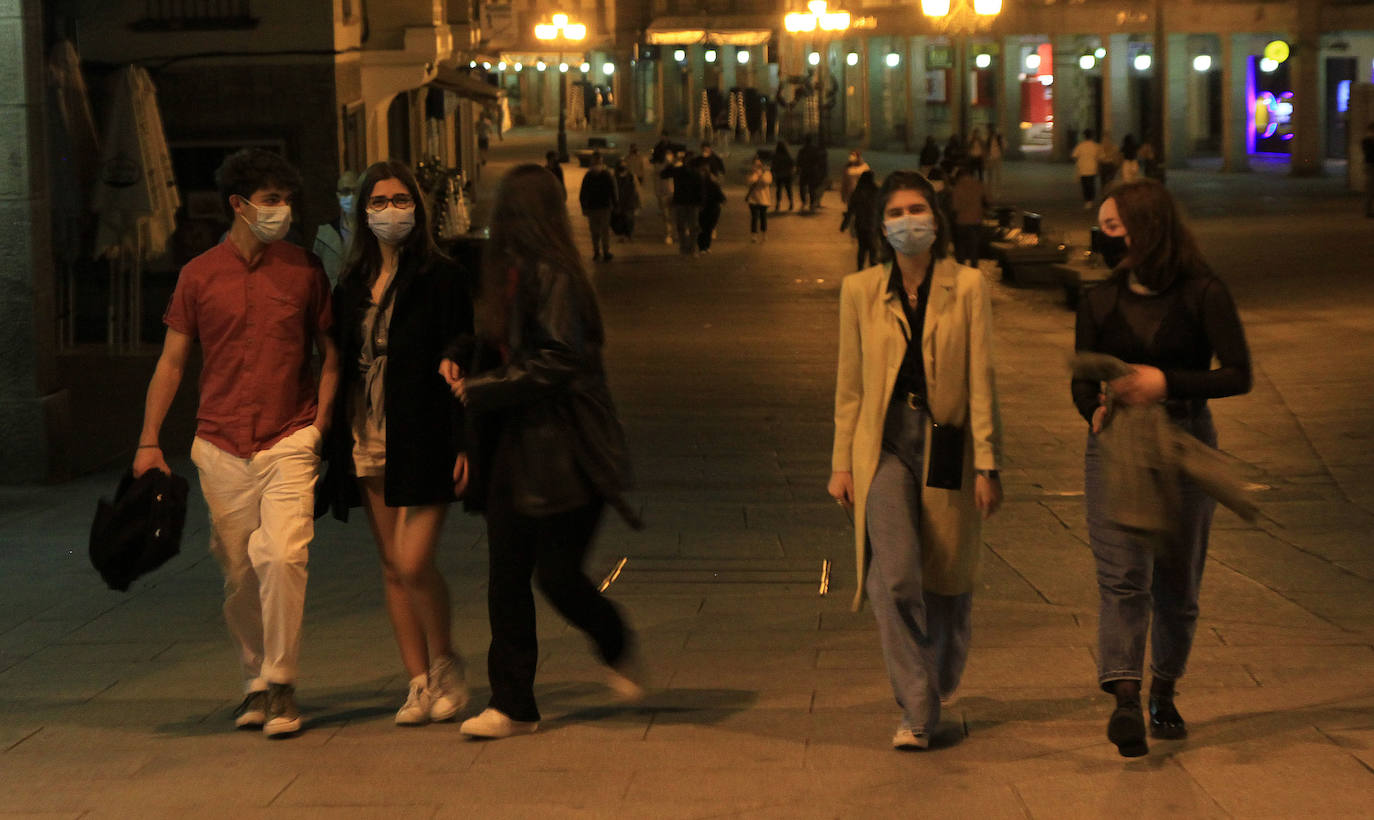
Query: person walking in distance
256	304
967	203
598	198
759	197
861	218
783	167
930	156
812	168
553	166
854	168
688	194
550	455
918	443
1165	314
1108	161
626	202
397	305
712	198
1085	158
992	163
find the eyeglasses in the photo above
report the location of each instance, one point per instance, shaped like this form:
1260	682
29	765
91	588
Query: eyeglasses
377	204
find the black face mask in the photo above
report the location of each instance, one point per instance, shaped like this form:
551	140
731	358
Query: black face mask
1113	249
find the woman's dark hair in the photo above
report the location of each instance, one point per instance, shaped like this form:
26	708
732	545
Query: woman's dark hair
249	170
913	181
364	260
1162	247
530	229
866	180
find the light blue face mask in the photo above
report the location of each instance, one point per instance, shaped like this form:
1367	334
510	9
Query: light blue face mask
910	234
346	204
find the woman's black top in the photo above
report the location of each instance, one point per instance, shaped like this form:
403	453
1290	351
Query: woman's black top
432	306
1178	331
911	376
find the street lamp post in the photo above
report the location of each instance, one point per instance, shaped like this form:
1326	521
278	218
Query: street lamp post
827	22
957	18
564	32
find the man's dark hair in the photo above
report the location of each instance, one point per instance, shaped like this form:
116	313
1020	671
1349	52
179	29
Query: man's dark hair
550	156
1087	133
596	158
249	170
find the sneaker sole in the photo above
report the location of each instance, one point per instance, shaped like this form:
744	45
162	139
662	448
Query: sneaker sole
249	722
282	728
441	715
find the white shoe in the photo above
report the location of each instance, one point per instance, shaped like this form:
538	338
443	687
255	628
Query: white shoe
494	724
283	716
906	740
252	713
447	690
415	711
627	683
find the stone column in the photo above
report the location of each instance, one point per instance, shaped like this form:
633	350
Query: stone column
866	97
1068	97
31	400
1176	66
1116	89
1308	142
1235	59
1009	100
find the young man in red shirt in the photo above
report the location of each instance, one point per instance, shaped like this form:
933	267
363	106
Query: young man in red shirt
256	304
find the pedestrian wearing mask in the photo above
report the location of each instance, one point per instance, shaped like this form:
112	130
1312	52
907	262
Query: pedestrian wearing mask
853	169
255	303
332	239
397	448
759	197
550	454
1166	314
917	447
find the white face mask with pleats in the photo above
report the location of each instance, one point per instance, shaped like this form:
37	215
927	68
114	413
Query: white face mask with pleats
272	223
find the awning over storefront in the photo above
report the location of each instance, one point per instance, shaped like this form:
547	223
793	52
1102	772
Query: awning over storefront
464	84
684	31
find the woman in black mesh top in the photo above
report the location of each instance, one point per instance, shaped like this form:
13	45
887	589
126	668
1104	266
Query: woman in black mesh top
1165	313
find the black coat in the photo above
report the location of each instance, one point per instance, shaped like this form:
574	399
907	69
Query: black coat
546	430
141	529
424	422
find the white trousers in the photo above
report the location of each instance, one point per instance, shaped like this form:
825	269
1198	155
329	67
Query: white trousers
261	523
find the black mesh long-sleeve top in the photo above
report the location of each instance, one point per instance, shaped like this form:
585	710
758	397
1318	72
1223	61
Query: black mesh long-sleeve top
1178	331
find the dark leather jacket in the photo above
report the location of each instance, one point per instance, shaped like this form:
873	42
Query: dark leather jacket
543	419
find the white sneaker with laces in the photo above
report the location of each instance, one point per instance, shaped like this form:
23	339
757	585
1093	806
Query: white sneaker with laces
415	711
494	724
447	690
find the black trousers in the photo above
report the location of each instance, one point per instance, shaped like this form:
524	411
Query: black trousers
552	549
781	184
966	244
710	216
758	218
868	250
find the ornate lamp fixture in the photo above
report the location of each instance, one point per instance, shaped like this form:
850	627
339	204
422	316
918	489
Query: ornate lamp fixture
961	16
819	16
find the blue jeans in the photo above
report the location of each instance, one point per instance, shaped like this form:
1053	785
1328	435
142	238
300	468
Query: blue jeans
1144	588
925	636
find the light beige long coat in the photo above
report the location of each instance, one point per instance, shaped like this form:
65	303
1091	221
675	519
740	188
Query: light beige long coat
956	344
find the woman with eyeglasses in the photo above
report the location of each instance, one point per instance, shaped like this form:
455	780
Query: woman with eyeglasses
398	449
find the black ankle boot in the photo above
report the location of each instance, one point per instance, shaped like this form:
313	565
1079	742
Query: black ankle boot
1165	721
1126	727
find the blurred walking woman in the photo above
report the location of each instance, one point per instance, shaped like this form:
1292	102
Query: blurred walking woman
917	446
398	303
1163	312
550	454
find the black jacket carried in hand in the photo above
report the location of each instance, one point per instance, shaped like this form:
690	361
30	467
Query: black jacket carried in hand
545	428
424	422
141	529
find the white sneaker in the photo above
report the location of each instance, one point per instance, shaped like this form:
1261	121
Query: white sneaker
447	690
252	713
415	711
493	723
283	716
906	740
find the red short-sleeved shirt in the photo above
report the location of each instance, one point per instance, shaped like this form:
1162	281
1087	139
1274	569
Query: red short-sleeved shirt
256	325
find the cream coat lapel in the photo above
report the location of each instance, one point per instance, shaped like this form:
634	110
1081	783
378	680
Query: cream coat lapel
944	276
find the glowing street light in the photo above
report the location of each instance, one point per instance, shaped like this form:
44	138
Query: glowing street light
564	31
852	58
819	16
983	60
1086	62
893	59
814	58
1202	63
1143	62
742	57
710	55
608	69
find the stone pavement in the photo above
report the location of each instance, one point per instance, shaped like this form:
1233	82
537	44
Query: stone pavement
771	700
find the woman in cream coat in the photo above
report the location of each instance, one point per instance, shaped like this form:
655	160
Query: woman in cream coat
917	545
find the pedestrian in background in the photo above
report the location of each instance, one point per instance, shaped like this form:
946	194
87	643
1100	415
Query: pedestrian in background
782	168
637	163
255	303
1367	147
930	156
1085	157
967	202
712	198
550	453
1164	312
1108	160
626	202
688	193
484	129
715	166
854	168
812	169
917	447
333	238
597	196
397	443
1130	159
861	217
759	197
663	194
977	152
553	166
992	163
